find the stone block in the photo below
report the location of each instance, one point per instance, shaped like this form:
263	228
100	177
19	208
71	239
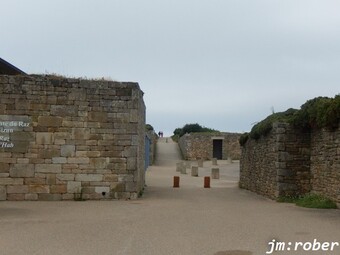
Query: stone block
89	177
35	180
48	168
102	189
4	168
31	197
60	189
50	121
4	175
44	138
49	197
68	150
194	171
74	187
17	189
16	197
98	163
38	188
78	160
11	181
214	161
22	170
59	160
110	178
49	153
215	173
97	116
131	164
64	110
200	163
3	193
65	177
50	179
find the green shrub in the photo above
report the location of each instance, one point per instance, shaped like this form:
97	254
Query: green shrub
320	112
243	139
193	128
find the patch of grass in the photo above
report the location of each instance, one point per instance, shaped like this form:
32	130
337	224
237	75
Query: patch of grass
309	201
287	199
316	201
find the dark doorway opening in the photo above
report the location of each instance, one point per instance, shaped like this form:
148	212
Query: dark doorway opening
217	149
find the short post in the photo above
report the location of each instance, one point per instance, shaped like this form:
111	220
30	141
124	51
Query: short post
188	164
178	167
176	181
206	182
214	161
183	169
230	160
194	171
215	173
200	163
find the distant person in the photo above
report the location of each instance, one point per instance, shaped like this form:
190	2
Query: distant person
159	133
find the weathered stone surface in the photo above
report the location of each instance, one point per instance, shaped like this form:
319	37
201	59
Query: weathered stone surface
74	187
49	197
48	168
3	193
22	170
89	177
50	121
4	168
31	197
289	162
196	146
44	138
11	181
58	189
92	129
37	188
68	150
17	189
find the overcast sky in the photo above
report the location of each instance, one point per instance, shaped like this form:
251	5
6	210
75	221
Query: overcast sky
224	64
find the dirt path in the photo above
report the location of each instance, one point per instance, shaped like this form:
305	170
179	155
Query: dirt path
191	220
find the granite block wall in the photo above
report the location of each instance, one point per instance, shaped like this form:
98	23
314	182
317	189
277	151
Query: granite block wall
64	139
290	162
200	145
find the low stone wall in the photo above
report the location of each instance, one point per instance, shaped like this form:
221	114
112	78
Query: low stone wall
289	162
64	139
200	145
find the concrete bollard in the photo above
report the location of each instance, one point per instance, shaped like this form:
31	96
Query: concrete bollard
178	167
188	164
200	163
214	161
176	181
183	169
194	171
230	160
215	173
206	182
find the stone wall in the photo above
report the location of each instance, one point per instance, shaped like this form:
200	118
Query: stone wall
289	162
325	163
200	145
64	139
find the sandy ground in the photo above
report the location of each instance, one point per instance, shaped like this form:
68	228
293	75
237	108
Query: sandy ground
222	220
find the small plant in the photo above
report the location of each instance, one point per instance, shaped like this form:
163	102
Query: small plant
287	199
244	138
316	201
